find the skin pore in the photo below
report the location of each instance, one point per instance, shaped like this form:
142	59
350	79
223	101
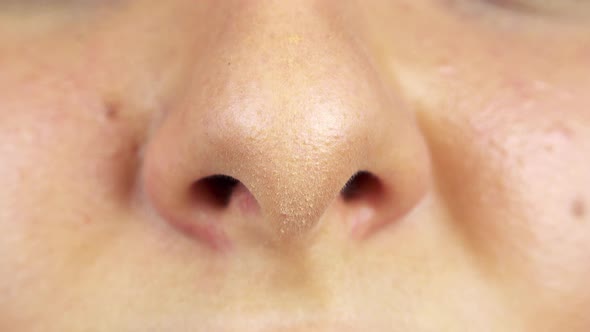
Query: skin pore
466	121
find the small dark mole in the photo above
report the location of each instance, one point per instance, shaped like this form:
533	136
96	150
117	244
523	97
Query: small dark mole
135	148
578	208
229	63
112	110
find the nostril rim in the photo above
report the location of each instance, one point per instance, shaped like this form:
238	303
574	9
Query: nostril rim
215	189
362	184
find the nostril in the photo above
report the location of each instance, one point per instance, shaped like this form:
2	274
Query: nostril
363	184
216	189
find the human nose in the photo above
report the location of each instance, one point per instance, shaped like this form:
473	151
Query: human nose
287	115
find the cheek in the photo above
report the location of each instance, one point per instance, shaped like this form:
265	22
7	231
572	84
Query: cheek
79	143
514	174
67	168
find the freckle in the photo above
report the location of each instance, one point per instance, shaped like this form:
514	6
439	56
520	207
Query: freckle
135	149
548	147
21	175
578	209
112	110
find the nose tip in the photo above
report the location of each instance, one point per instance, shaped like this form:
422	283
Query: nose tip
281	142
287	172
282	176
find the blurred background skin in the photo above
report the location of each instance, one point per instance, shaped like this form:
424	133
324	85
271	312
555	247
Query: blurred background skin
471	117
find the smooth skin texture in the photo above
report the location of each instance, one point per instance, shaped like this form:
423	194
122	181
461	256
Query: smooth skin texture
471	116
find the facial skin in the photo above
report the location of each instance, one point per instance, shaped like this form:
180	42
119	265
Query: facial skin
471	117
